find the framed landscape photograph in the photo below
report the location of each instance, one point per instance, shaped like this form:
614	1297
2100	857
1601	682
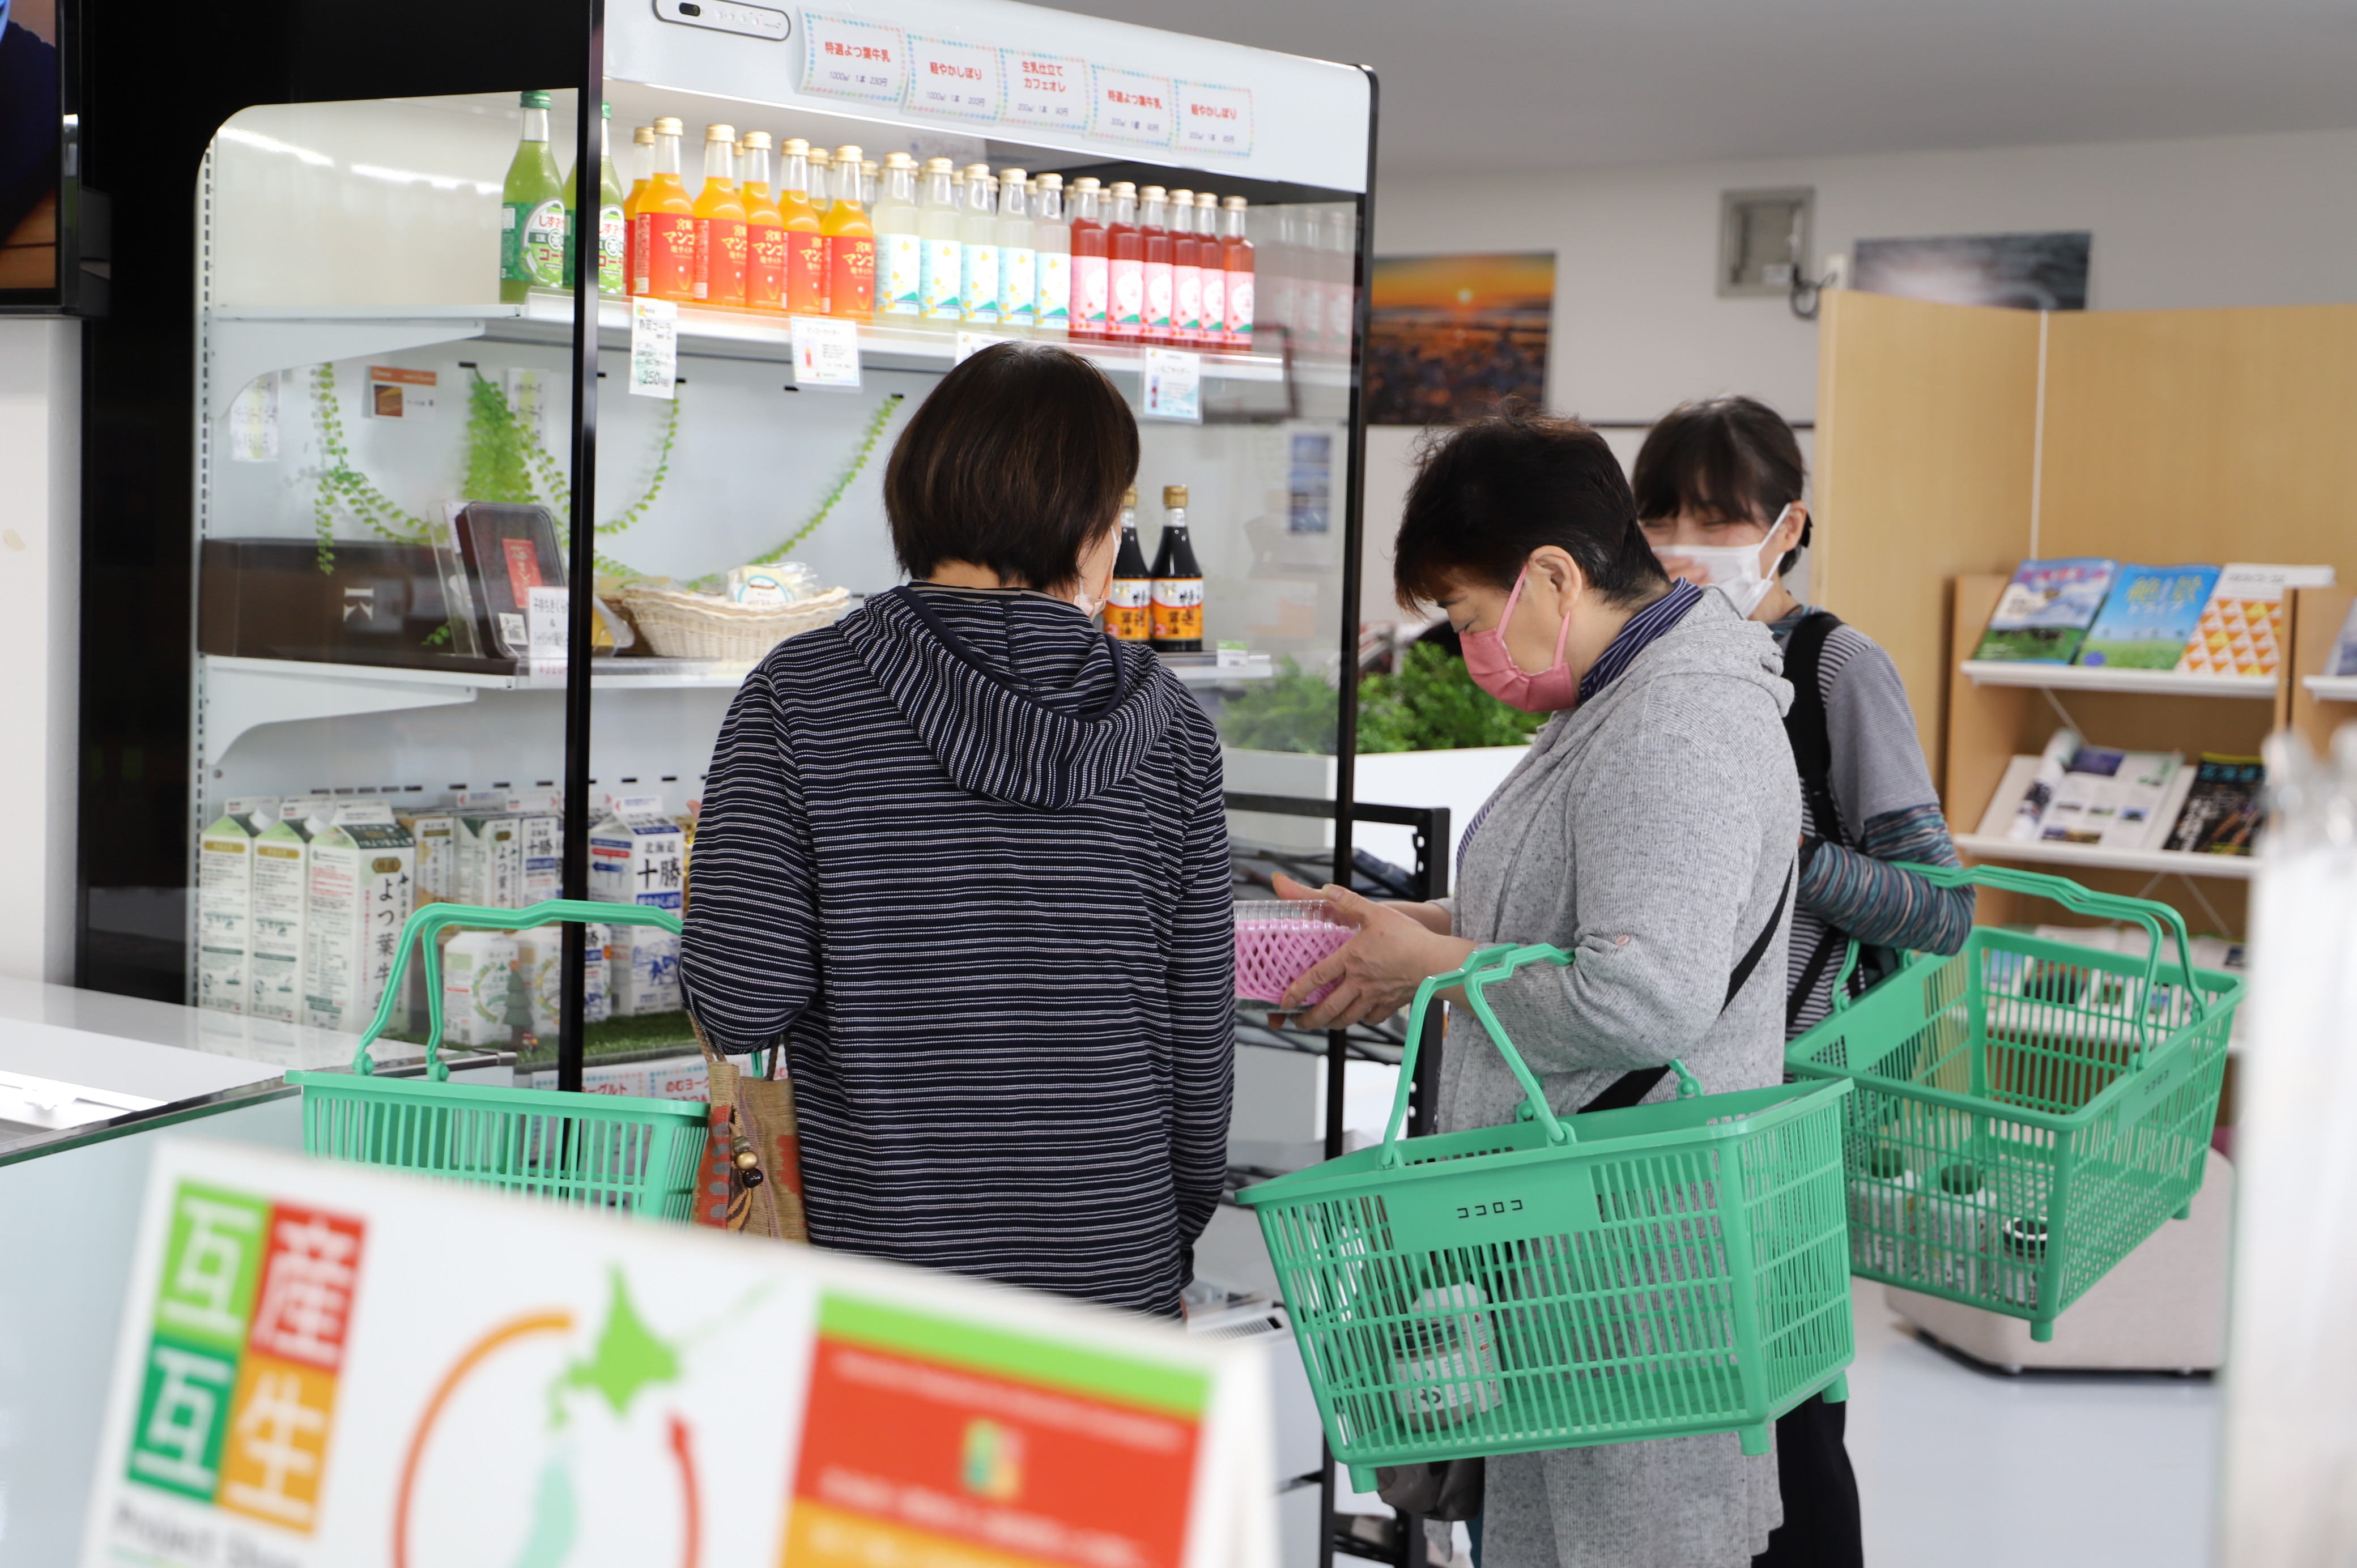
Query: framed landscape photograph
1451	337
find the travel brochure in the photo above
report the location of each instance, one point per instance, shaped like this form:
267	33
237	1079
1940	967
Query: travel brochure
2196	620
2102	797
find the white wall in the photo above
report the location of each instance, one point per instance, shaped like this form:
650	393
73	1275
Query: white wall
40	563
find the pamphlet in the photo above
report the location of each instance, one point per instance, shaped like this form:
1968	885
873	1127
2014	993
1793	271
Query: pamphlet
2046	610
2223	809
2241	624
2109	797
2148	616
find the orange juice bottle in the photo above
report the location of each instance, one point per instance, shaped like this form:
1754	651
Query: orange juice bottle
642	169
667	217
850	246
765	227
805	249
720	222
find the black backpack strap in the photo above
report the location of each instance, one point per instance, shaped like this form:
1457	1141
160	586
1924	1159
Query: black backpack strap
1805	723
1632	1087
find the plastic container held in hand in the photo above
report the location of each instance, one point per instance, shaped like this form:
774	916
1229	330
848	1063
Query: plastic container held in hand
1278	940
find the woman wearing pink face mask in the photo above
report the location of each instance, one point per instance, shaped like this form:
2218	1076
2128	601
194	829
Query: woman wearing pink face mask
1649	833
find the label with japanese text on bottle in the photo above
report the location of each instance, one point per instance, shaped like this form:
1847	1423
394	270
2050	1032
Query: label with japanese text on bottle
1177	610
1091	292
1126	617
671	255
610	248
900	274
531	242
851	276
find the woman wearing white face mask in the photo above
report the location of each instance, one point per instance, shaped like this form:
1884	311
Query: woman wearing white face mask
1718	486
1649	833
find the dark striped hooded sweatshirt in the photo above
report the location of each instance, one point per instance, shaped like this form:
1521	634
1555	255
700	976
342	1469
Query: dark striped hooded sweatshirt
968	855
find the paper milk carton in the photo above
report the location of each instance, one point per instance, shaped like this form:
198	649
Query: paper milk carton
488	860
282	884
638	855
540	974
225	914
543	837
363	877
477	974
432	830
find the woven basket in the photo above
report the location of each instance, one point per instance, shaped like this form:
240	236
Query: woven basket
704	626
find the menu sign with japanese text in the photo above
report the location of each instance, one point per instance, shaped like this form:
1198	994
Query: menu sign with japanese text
1049	91
1217	120
948	77
851	57
327	1366
1129	106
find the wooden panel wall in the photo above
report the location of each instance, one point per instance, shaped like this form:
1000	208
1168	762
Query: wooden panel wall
1926	421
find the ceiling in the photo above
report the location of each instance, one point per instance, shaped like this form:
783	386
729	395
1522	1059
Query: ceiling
1545	83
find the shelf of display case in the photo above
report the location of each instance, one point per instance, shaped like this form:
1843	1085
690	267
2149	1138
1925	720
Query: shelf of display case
251	339
2099	678
2331	688
2160	861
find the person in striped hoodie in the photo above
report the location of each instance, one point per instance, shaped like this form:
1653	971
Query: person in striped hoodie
967	855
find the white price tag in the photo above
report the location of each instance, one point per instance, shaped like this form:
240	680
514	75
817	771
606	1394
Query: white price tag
654	346
969	344
1215	119
950	77
1129	106
1174	385
1231	656
253	421
826	352
1044	90
851	57
546	611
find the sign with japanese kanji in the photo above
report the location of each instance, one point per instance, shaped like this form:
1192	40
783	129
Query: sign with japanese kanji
328	1366
851	57
953	77
1130	106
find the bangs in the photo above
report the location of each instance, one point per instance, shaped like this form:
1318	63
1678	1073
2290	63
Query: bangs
1700	466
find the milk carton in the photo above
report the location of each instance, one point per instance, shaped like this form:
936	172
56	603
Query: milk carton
488	858
543	838
363	877
540	974
478	972
282	881
637	856
432	831
225	914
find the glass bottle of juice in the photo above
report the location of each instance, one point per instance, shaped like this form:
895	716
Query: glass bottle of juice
1154	230
1018	258
642	159
1186	271
531	219
941	259
1280	231
978	247
868	183
1178	607
850	245
1051	312
764	227
1129	615
1091	267
1124	265
1236	262
805	250
720	222
898	247
822	186
669	217
1213	319
611	228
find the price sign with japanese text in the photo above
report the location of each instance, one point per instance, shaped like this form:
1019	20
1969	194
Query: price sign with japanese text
949	77
1214	119
1050	91
851	57
1129	106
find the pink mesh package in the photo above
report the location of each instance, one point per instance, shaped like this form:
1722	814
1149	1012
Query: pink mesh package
1278	940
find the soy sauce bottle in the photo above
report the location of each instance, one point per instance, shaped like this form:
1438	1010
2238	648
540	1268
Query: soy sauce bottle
1177	591
1127	616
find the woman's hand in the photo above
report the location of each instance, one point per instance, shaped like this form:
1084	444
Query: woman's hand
1376	973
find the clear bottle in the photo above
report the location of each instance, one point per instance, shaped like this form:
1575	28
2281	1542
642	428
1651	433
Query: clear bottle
1092	266
900	274
1128	615
1957	1239
612	226
822	181
978	249
1280	230
805	246
941	262
867	186
1185	273
1212	330
531	217
1155	251
1051	314
1340	275
850	244
1177	592
1018	256
765	226
1125	265
1236	263
643	174
720	222
668	216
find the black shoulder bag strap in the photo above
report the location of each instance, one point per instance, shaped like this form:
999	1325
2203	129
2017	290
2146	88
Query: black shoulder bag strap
1632	1087
1812	759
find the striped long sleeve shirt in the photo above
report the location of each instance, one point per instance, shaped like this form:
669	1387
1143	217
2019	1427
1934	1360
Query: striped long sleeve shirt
969	857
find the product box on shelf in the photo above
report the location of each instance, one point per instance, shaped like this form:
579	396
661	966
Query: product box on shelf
282	884
638	855
433	831
487	853
540	975
478	983
267	598
225	913
363	875
542	835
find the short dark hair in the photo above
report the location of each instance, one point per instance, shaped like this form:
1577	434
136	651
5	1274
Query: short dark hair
1731	456
1016	461
1492	491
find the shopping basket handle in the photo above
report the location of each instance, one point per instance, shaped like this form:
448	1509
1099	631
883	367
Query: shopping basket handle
1425	990
1481	967
426	921
2158	920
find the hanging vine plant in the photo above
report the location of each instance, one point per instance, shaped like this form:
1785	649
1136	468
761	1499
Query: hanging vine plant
342	485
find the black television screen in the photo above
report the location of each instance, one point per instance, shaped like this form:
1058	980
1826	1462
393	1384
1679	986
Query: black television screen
30	161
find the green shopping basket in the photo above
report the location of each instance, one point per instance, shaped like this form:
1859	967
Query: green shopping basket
598	1151
1662	1271
2027	1111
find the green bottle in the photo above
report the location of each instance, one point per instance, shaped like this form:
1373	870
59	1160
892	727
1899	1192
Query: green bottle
531	224
609	216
